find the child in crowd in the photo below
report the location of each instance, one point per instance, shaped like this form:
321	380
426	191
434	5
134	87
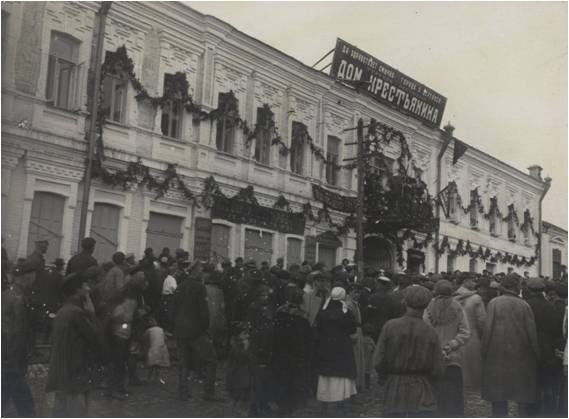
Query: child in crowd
157	355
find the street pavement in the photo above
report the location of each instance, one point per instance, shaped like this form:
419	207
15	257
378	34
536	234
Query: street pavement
160	400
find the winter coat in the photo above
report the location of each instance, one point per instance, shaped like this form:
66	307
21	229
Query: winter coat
260	317
216	306
408	355
454	333
191	314
80	263
292	352
509	351
549	329
382	307
334	354
16	330
77	345
475	311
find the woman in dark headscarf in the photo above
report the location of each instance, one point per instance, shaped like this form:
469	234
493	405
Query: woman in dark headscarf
335	362
449	321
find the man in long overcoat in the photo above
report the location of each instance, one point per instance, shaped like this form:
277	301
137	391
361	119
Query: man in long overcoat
509	350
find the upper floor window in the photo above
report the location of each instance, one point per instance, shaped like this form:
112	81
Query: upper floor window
225	136
333	156
114	95
556	258
493	216
63	70
297	147
172	112
453	202
474	208
512	217
263	135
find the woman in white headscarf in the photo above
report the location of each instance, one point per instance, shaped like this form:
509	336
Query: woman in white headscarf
335	363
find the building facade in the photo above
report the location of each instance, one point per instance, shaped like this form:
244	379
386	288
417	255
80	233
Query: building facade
298	116
554	251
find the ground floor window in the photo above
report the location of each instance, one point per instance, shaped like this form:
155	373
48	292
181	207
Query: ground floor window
46	223
163	231
293	249
491	268
473	265
258	246
327	256
450	263
220	236
105	229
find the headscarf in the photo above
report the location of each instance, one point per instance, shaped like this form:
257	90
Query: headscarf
337	294
440	311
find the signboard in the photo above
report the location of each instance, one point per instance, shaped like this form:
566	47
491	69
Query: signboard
387	85
244	213
334	200
202	238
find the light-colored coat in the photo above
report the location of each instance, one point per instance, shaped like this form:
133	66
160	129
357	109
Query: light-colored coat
509	351
475	311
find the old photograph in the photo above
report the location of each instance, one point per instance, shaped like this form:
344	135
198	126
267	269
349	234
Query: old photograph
284	209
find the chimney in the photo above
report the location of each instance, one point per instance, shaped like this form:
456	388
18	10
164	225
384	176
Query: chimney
535	171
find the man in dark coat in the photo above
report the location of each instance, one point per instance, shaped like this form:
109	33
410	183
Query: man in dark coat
191	323
382	306
77	346
83	260
509	350
549	338
16	334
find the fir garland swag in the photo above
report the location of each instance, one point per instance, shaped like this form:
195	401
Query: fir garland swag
462	249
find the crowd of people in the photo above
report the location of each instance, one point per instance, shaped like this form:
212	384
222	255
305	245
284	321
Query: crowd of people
285	334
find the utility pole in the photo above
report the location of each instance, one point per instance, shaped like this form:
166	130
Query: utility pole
97	62
360	215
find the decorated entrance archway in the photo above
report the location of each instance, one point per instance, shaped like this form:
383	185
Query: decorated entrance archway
379	253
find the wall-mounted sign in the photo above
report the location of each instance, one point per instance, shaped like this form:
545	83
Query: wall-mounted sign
334	200
387	85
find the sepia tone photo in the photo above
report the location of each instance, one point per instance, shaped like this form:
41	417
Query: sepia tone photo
284	209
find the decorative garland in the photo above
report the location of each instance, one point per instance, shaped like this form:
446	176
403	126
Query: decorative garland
462	249
139	174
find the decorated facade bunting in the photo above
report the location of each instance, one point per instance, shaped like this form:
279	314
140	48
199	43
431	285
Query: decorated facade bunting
334	200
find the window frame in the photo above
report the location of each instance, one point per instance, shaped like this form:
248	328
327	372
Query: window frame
263	138
167	111
116	81
54	75
226	123
297	149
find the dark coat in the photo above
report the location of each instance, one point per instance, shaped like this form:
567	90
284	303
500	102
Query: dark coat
549	331
334	354
77	345
80	263
191	314
292	352
509	351
382	307
16	330
260	316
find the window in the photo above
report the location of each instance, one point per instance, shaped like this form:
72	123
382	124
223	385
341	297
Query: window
332	155
491	268
556	257
46	223
453	203
263	135
225	136
474	209
105	229
450	263
493	217
114	95
171	113
297	147
293	249
163	231
327	256
258	246
62	88
220	235
512	223
473	266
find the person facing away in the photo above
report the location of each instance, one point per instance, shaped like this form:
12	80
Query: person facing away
475	311
509	350
84	259
16	336
550	339
408	359
446	316
77	344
